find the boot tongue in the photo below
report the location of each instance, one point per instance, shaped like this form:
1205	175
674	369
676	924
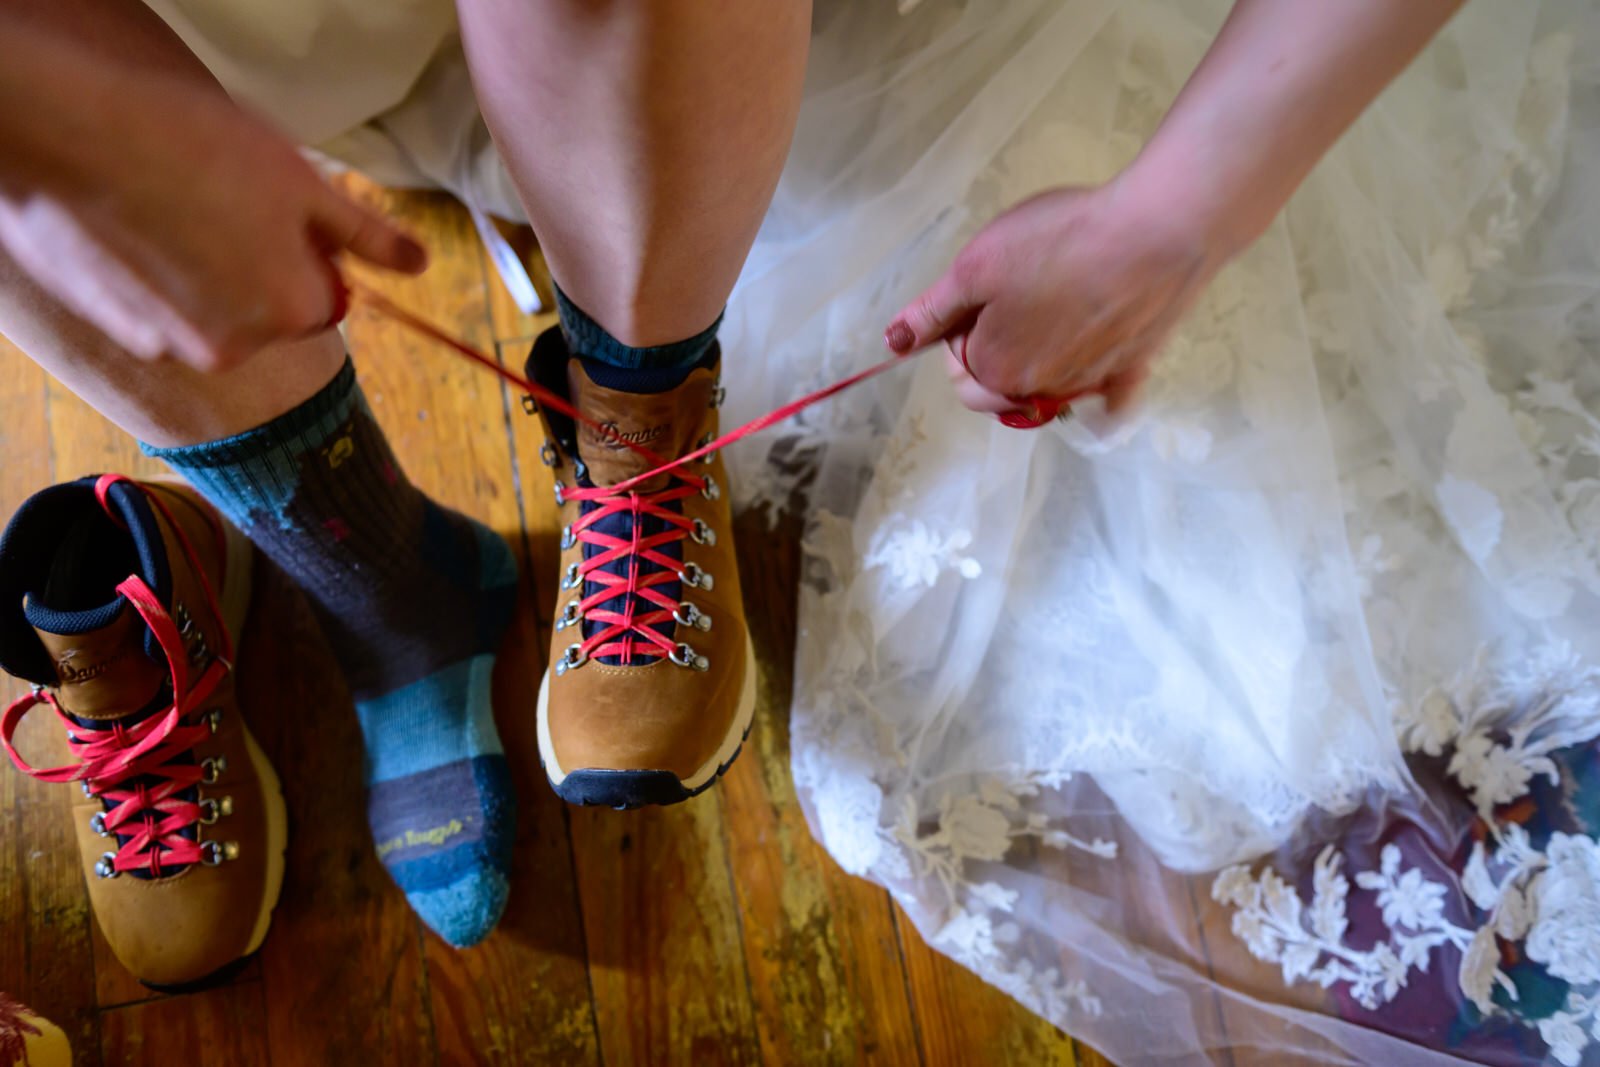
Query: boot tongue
664	422
102	673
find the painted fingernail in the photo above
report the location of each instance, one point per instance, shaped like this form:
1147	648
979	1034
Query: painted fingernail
900	338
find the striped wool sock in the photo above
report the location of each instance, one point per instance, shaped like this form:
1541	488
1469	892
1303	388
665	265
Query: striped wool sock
413	598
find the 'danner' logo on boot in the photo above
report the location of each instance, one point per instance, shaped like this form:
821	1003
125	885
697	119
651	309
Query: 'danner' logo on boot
75	674
614	434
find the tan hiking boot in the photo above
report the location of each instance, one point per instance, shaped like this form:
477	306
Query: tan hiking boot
114	596
26	1040
651	685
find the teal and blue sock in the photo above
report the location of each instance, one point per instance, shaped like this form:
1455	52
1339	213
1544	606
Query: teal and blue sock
413	599
653	366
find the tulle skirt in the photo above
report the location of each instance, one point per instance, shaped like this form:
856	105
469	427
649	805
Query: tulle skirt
1262	719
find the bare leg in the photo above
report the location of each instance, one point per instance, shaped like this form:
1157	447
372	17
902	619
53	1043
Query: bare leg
646	138
163	403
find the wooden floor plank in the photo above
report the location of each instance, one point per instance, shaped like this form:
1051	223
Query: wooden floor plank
821	947
342	967
218	1026
509	322
665	960
523	996
45	948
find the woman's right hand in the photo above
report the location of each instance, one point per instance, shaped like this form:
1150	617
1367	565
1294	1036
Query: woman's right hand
183	226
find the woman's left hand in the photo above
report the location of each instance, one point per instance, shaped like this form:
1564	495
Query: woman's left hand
1069	293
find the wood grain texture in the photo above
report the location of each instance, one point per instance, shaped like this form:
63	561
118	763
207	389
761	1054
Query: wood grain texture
821	947
712	932
220	1026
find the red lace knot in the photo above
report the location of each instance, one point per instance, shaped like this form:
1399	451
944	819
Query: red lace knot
630	634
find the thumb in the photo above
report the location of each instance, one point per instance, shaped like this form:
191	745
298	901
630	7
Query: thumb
947	307
342	225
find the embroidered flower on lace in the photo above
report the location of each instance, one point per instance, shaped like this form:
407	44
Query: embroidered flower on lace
1309	943
1566	898
976	940
915	554
1498	773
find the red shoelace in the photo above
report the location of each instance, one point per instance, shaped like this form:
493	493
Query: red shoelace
622	628
631	632
382	304
645	604
141	770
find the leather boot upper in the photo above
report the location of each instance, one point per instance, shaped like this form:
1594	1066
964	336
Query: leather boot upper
106	670
648	710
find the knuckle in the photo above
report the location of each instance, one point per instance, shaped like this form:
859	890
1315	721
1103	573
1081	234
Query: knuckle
969	266
926	311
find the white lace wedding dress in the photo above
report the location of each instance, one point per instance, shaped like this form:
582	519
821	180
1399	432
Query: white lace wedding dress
1259	720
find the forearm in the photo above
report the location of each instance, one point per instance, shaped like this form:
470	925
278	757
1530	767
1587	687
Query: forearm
1283	80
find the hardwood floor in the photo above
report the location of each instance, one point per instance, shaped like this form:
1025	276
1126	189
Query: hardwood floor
716	931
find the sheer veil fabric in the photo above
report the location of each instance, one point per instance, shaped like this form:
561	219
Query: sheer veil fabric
1261	720
1208	729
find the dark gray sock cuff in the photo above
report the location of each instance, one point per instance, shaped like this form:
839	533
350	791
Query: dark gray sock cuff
300	428
586	337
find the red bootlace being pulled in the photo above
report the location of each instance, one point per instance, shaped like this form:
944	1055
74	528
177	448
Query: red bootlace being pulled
631	632
141	769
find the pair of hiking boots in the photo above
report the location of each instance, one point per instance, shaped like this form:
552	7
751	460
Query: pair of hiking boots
123	602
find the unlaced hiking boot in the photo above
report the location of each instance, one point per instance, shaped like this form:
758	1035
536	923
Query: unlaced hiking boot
121	602
26	1040
651	684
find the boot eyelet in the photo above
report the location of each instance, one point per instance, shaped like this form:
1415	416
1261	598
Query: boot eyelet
213	768
216	853
689	615
692	576
685	656
548	454
213	809
719	393
571	615
709	457
568	538
712	490
574	656
580	469
88	790
561	488
703	534
106	865
97	823
571	579
529	404
213	719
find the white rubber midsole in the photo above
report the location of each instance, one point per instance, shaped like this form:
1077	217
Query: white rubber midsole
706	771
